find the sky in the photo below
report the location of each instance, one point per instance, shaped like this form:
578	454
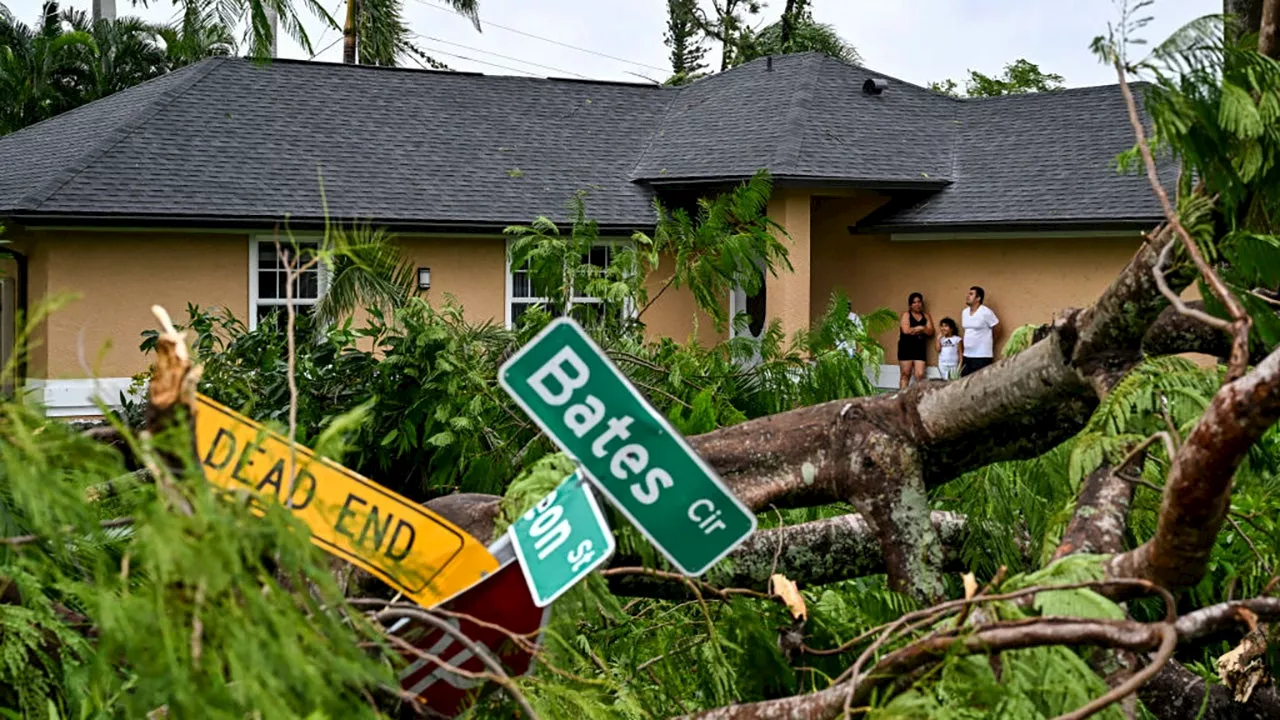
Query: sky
621	40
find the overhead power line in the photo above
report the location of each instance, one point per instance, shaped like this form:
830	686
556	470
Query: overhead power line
325	49
438	51
504	57
549	40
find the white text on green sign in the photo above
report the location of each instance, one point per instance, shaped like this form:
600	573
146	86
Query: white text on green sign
568	386
561	540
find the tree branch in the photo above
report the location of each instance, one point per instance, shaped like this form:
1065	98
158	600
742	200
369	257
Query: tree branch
1268	31
1197	493
1102	512
812	553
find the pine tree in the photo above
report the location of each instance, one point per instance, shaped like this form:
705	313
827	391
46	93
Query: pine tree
683	37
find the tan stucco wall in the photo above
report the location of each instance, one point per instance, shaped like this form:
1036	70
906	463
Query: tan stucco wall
674	313
468	268
1026	279
788	294
117	277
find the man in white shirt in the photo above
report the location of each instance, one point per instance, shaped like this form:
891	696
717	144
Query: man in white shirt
979	340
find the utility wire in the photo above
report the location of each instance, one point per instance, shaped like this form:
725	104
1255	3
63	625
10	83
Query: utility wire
545	39
500	55
437	51
325	48
327	29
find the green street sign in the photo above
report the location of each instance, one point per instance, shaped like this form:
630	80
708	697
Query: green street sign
561	540
577	396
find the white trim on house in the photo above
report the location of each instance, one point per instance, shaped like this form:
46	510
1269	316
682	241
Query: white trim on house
75	397
509	297
255	301
1014	235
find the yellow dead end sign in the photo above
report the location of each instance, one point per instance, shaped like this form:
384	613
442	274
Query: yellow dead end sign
408	546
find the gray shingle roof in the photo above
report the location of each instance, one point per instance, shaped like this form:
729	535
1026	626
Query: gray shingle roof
1039	158
228	140
248	141
803	116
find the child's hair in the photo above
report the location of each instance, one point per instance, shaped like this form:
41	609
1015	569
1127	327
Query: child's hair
948	322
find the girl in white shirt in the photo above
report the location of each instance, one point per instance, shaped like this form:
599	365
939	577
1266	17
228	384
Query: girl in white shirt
950	346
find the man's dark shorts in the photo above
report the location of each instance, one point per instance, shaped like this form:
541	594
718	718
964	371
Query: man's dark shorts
972	365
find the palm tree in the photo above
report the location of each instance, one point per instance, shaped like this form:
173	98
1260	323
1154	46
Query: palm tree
44	70
367	269
68	60
197	36
797	31
375	33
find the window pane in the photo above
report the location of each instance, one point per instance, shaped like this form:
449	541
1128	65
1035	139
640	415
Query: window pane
600	256
520	285
267	284
278	316
307	286
267	259
517	309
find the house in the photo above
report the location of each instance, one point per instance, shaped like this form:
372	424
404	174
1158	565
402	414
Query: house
170	192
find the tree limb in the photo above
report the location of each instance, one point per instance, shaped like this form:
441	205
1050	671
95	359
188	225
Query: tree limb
812	553
1197	493
1102	512
1176	693
1268	30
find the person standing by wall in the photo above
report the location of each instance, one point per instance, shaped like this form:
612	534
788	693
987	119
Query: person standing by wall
914	328
979	322
949	348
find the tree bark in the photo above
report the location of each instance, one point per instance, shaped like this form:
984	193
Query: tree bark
1102	512
882	453
1176	693
349	32
810	554
1246	17
1197	492
1267	29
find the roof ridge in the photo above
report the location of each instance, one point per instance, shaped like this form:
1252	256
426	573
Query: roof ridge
34	199
793	140
332	65
658	129
1055	91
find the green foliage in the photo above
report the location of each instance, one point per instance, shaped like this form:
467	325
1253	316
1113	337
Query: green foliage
197	613
1019	77
365	268
682	37
794	33
729	242
1020	339
67	59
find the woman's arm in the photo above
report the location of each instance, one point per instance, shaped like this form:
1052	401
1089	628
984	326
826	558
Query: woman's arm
904	324
928	324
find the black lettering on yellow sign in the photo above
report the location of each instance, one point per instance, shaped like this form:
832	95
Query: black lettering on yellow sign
408	546
394	549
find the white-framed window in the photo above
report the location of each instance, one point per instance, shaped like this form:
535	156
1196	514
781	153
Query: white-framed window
268	275
523	294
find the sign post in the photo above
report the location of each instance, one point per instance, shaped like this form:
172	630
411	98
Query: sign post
564	381
489	614
409	547
561	540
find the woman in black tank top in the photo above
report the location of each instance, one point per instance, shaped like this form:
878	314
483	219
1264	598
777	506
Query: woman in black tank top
914	330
